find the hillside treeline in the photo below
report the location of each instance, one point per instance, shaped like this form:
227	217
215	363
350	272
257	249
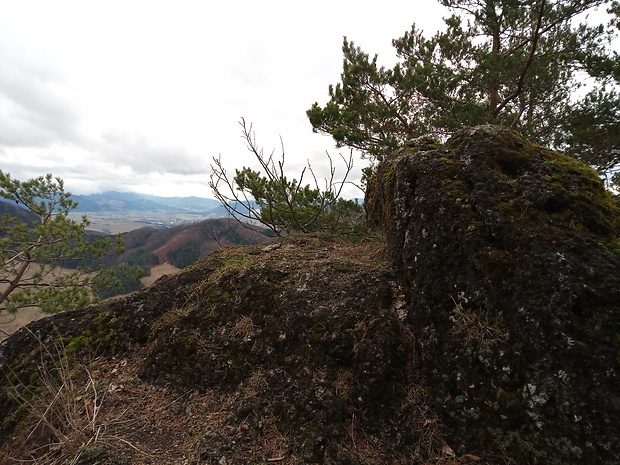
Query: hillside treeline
183	245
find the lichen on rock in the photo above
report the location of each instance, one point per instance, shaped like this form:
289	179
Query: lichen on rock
506	253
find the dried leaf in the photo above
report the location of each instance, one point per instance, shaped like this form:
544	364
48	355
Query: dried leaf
447	450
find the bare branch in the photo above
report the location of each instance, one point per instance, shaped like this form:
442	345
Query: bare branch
282	205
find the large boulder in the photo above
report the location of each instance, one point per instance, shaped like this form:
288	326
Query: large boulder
508	255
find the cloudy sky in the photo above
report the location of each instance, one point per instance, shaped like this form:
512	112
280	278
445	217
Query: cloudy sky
140	95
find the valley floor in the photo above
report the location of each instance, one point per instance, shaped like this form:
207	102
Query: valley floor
9	322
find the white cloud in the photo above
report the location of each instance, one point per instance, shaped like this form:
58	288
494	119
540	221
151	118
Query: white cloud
140	95
141	157
33	111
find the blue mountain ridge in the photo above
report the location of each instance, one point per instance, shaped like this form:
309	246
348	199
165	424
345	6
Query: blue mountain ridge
130	201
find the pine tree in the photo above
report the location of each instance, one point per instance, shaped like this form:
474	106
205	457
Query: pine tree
34	249
543	67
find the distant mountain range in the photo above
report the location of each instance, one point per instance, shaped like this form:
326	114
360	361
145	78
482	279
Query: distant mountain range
179	245
119	202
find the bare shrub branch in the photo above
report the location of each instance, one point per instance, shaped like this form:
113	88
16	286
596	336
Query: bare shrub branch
284	205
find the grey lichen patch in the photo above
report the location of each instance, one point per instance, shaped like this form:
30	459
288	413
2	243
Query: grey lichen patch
506	252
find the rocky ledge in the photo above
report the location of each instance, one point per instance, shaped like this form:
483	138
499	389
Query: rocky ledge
480	322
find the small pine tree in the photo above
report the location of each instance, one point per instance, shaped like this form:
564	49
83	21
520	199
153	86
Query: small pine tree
511	63
30	271
281	204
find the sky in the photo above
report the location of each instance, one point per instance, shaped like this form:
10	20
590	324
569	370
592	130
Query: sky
139	96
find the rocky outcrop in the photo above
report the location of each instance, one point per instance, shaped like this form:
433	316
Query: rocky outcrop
508	254
504	348
293	352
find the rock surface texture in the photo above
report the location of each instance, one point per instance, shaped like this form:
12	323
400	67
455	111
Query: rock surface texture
486	331
293	352
508	255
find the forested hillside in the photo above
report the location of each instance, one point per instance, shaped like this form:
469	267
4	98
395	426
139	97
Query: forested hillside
183	245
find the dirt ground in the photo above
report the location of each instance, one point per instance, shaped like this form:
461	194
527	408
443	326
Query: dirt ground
9	323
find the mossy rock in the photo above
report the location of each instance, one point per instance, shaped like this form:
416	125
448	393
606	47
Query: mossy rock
507	252
298	339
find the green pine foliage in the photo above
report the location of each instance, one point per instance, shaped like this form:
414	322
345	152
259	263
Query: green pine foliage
33	251
121	279
185	255
286	206
543	67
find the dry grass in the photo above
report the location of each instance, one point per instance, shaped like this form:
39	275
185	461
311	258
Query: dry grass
245	328
367	449
83	412
474	328
342	384
271	446
64	411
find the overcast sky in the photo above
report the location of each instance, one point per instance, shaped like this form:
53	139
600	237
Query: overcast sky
140	95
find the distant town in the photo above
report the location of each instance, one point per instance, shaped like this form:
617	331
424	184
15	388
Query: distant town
118	212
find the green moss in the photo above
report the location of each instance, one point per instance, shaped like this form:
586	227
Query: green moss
235	263
585	198
70	346
558	187
613	245
517	447
8	425
101	341
34	378
572	164
317	332
89	453
457	187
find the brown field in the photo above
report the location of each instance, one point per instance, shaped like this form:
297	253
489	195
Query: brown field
159	271
9	323
110	223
